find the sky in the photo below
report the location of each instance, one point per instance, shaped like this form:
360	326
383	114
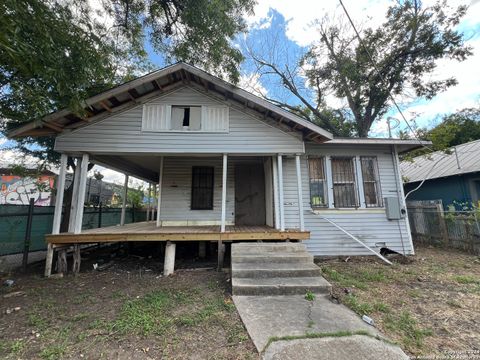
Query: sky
289	23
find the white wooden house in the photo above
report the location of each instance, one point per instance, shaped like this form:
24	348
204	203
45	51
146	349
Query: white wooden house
230	166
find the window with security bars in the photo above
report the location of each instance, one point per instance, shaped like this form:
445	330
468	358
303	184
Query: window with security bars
202	188
318	181
344	186
371	181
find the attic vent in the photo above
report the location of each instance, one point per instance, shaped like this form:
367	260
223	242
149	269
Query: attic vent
156	117
188	118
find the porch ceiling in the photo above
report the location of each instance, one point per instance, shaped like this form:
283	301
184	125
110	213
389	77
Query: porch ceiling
146	167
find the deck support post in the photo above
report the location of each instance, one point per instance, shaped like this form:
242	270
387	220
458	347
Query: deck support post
169	263
280	192
76	259
202	249
159	197
81	194
124	201
276	209
57	216
299	192
149	201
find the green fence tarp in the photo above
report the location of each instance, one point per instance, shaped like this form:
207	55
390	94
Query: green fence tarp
13	223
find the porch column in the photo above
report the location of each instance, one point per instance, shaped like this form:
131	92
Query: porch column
275	193
73	204
169	263
57	215
149	200
159	197
124	201
152	209
224	192
299	192
280	192
81	194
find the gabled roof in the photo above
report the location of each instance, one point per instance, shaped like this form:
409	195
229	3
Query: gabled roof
162	81
460	159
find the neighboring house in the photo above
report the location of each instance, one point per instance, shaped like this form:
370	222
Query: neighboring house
228	160
452	176
98	191
17	190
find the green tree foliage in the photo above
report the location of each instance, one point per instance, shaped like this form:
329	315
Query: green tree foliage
54	54
405	50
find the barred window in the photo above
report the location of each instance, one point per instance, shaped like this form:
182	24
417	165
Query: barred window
202	188
371	183
318	182
344	186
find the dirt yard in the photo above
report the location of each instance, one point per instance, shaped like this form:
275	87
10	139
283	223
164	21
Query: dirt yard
127	311
429	304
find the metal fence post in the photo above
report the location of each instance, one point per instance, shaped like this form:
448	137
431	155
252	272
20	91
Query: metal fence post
28	234
100	215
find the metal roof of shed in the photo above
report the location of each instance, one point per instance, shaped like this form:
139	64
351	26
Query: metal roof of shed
460	159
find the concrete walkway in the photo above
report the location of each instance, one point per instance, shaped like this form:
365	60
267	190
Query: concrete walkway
267	317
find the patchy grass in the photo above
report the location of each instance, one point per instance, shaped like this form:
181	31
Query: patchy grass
116	314
428	305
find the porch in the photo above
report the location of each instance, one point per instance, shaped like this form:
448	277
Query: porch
148	231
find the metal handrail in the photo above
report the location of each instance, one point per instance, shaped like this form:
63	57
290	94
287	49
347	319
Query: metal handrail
357	240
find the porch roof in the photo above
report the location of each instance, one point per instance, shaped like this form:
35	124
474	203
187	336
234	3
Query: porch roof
132	93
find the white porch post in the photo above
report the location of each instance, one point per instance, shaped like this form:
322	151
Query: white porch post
152	210
224	192
159	198
57	216
149	200
73	204
81	194
275	193
280	192
299	191
124	201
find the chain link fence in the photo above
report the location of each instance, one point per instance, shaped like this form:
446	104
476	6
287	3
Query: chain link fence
431	225
18	242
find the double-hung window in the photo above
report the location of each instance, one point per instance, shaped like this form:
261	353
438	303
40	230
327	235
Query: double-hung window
318	182
371	183
345	194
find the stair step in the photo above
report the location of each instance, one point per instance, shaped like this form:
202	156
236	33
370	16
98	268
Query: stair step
268	270
242	247
279	286
273	258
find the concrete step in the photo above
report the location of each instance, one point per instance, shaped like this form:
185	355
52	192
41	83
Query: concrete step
241	248
279	257
279	286
268	270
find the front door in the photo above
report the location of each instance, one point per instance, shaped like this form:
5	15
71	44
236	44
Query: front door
249	194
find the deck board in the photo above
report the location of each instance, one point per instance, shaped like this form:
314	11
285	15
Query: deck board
148	231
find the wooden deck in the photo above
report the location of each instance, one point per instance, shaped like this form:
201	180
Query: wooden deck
148	231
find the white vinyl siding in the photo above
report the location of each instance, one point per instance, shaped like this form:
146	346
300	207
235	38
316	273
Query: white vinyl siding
369	225
122	133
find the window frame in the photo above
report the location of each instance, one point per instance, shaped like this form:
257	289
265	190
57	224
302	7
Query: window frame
323	160
376	182
353	182
193	204
184	128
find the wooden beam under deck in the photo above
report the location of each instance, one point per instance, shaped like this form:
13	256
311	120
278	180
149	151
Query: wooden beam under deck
147	231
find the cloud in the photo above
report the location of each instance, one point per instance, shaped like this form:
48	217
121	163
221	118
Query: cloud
251	83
